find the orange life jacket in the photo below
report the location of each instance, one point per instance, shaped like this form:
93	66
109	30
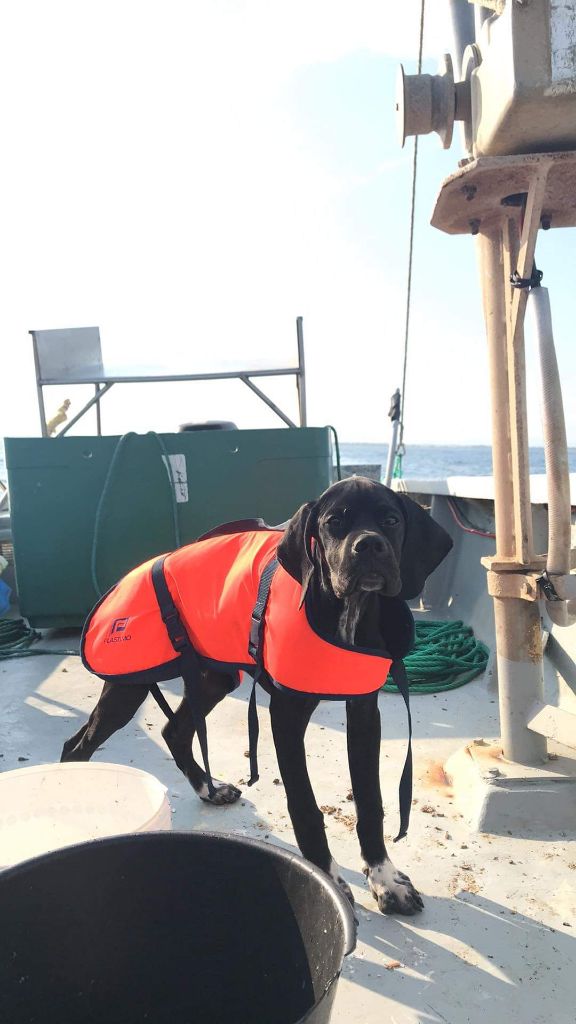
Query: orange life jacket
214	585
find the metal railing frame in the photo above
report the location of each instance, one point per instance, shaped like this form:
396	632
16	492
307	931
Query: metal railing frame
106	382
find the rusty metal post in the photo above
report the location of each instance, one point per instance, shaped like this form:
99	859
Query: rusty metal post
518	627
489	252
301	377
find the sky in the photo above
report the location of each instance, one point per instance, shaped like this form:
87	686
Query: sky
192	175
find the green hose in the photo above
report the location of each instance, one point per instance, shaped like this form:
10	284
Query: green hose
16	640
120	446
445	655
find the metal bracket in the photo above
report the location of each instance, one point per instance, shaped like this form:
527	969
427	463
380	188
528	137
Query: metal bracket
537	564
513	584
497	563
529	586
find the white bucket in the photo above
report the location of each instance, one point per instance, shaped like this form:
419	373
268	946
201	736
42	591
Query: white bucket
47	806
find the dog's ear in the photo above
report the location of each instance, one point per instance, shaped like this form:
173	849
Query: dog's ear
294	551
425	545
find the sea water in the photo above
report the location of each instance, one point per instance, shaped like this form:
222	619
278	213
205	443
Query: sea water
435	462
422	461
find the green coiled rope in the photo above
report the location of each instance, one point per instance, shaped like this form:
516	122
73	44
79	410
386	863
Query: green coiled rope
16	640
445	655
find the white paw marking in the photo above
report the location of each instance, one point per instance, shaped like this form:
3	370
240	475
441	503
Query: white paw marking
392	889
225	793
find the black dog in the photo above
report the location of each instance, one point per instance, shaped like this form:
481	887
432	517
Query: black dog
357	545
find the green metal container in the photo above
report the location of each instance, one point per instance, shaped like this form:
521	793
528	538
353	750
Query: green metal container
97	506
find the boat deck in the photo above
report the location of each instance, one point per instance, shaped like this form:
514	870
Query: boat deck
496	937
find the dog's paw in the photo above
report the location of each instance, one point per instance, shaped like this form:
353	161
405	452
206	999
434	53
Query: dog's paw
225	793
342	884
393	890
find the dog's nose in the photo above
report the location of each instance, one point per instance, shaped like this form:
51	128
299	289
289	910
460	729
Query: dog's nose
368	544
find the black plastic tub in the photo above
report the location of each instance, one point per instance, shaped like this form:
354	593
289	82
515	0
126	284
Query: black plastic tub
170	928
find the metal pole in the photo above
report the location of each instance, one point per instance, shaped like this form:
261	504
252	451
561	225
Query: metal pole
98	415
518	627
481	14
488	248
462	15
391	453
41	410
271	405
301	378
394	414
39	390
79	415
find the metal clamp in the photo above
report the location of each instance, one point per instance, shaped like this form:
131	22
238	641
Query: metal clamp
513	584
547	587
527	282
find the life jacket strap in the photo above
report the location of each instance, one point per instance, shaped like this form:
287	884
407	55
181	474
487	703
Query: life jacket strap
398	673
256	640
189	663
256	651
170	615
161	701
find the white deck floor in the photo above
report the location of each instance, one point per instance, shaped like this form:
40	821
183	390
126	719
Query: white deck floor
496	939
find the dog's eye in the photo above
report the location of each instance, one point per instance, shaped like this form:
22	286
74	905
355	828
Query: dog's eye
390	520
336	520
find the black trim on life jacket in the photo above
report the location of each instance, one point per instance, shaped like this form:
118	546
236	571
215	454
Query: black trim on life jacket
189	663
145	676
241	526
226	668
306	694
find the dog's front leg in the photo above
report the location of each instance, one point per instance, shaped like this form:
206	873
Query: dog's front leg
392	890
290	716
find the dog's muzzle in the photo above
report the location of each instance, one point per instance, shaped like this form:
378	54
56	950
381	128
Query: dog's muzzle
373	565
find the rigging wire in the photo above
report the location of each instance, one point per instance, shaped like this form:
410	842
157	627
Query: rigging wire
410	255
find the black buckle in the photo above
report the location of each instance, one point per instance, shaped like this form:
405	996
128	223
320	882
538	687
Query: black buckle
176	630
547	587
527	282
254	639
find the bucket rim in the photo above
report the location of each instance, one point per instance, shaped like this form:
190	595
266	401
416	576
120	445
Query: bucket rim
76	767
179	835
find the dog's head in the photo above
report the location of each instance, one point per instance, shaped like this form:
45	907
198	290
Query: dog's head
362	536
